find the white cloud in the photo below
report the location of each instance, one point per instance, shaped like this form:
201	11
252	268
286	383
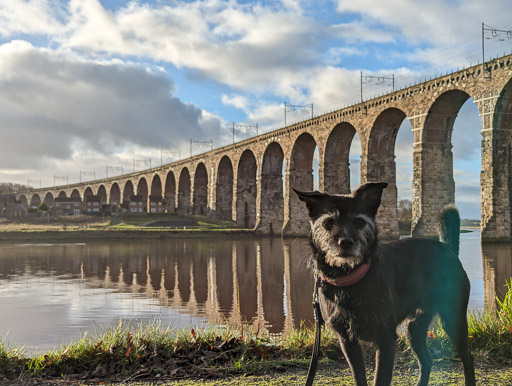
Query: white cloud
30	17
332	87
268	115
413	19
54	104
241	45
90	25
448	28
238	101
336	55
262	48
357	32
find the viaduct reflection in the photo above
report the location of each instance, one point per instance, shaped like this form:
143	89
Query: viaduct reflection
264	282
497	267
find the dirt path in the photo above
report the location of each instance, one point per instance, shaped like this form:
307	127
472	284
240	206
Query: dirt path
334	374
445	372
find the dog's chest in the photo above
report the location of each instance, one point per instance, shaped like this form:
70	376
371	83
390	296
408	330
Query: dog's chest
354	316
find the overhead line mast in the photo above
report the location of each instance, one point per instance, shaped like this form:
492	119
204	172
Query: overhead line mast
495	33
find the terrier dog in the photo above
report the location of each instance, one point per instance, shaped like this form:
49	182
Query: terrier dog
369	288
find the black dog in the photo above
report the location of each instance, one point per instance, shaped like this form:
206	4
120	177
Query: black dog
369	288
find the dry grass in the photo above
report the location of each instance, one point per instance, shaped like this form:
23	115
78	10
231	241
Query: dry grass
41	224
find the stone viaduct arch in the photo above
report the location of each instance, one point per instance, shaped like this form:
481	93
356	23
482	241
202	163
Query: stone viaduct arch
170	192
200	199
224	189
88	193
102	194
128	191
380	165
496	174
271	187
156	186
243	182
437	150
299	176
35	201
75	193
184	191
23	200
335	163
49	199
143	193
115	194
246	190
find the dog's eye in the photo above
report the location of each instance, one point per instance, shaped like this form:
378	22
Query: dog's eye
329	223
359	223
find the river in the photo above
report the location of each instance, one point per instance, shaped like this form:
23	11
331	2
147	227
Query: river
50	294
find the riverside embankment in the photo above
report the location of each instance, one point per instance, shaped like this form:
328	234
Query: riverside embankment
126	226
45	236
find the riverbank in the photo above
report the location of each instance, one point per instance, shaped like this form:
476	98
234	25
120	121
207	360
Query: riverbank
122	227
225	355
81	235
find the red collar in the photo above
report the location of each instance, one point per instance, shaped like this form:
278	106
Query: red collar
352	278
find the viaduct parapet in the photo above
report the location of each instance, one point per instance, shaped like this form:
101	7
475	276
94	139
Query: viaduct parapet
244	182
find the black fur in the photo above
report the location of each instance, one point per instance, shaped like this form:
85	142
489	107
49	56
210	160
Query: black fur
409	280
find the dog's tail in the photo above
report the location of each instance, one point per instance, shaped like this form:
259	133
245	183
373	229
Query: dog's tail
449	227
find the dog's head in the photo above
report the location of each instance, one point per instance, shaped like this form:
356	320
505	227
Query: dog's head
343	226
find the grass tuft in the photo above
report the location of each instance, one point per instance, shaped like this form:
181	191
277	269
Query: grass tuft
491	333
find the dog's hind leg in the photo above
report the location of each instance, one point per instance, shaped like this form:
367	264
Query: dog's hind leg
354	355
417	334
385	360
456	326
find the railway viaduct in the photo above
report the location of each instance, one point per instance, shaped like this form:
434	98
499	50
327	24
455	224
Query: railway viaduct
244	181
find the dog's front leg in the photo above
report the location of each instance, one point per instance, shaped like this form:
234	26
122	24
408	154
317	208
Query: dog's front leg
385	361
354	355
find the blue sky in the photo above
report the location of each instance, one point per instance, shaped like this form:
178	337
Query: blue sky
89	83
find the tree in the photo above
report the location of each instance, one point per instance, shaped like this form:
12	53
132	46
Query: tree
9	187
405	210
42	207
404	216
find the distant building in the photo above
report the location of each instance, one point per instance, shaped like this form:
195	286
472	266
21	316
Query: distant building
106	209
156	204
15	210
92	204
125	206
67	205
6	199
138	204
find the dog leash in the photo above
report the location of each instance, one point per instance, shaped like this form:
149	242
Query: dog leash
319	322
342	281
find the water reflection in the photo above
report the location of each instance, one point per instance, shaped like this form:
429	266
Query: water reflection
264	282
497	267
49	294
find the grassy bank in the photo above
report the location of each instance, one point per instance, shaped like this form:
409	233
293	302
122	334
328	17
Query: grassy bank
119	234
122	226
130	353
119	221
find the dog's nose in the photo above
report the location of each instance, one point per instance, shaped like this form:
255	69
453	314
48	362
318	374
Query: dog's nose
345	243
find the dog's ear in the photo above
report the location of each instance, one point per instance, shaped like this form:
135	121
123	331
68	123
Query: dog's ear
369	195
315	202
